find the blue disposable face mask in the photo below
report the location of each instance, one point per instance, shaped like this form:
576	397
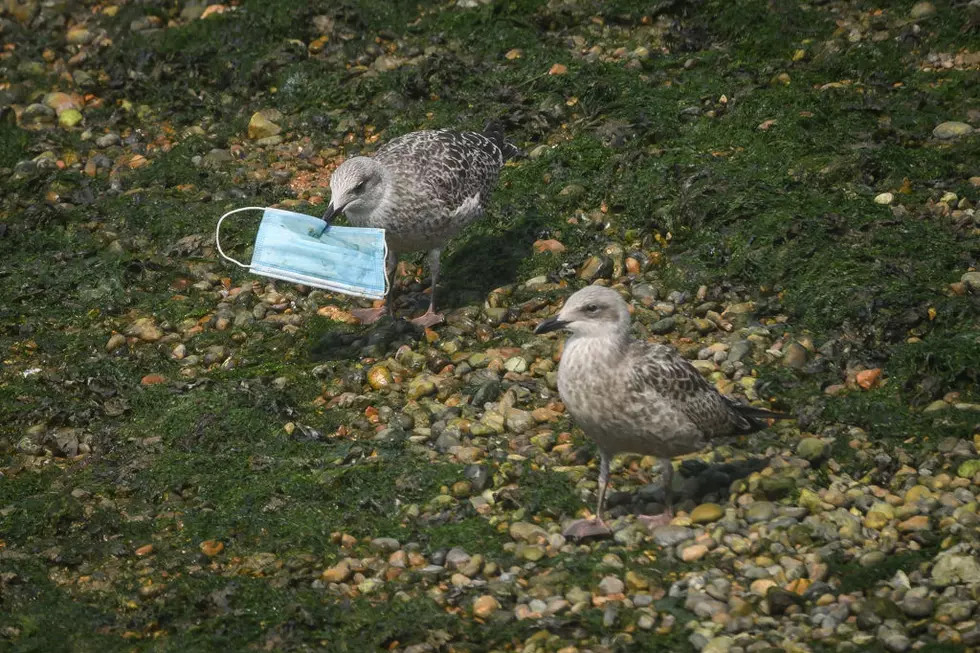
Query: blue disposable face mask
301	249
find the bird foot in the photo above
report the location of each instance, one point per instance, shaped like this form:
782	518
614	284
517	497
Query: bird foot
652	521
585	528
431	318
368	315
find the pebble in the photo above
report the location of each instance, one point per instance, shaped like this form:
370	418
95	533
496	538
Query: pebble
922	10
760	511
707	513
811	449
261	126
145	329
951	568
951	129
339	573
694	552
485	606
116	341
668	536
611	585
527	532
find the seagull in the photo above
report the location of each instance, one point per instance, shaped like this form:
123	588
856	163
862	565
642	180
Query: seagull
421	188
634	396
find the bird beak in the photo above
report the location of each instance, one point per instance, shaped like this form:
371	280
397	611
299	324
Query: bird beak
331	212
551	324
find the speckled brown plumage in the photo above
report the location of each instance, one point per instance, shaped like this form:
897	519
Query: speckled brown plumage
422	188
633	396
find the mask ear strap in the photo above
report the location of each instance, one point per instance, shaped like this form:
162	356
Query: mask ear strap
217	234
385	241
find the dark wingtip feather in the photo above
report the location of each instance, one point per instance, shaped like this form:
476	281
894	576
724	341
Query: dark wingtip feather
495	132
760	413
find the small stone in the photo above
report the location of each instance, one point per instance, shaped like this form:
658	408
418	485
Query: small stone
596	267
719	645
379	377
611	585
811	449
421	386
145	329
916	523
259	126
780	600
762	586
211	548
968	468
339	573
667	536
952	129
529	552
971	280
116	341
516	364
69	118
760	511
664	326
917	493
707	513
694	552
636	582
868	379
956	568
385	544
884	199
795	356
894	640
484	606
107	140
916	607
78	35
921	10
879	516
526	532
552	246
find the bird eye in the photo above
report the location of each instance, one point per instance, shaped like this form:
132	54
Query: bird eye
591	308
360	187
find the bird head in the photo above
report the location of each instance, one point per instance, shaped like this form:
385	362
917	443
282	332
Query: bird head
356	187
594	311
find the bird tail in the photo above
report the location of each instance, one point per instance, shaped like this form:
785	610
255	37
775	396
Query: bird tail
495	132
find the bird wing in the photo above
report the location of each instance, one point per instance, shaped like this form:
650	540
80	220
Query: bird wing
659	371
457	170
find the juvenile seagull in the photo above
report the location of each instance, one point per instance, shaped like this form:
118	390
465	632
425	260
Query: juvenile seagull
632	396
421	188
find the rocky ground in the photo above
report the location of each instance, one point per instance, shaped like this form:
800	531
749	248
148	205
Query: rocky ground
193	458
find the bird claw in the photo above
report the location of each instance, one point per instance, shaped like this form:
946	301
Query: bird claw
586	528
368	315
431	318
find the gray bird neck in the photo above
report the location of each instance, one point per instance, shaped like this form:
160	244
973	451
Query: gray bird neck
612	343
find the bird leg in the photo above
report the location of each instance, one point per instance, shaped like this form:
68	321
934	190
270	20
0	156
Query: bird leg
595	527
372	315
667	515
431	318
